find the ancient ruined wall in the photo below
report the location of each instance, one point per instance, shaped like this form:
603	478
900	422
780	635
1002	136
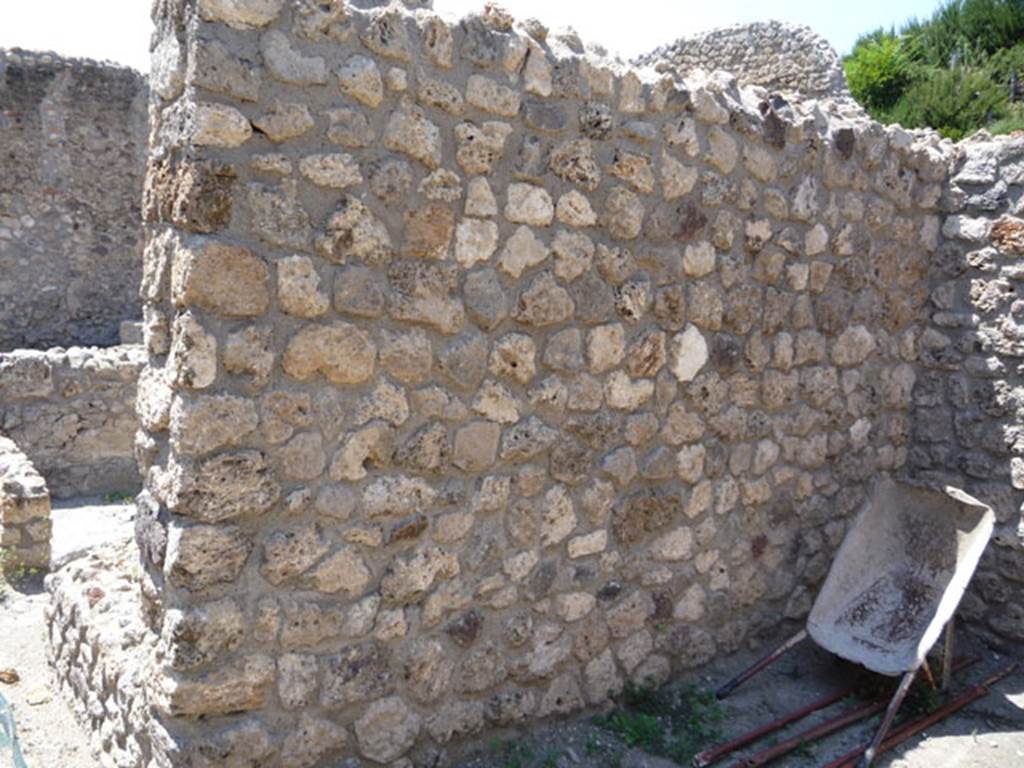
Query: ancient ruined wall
969	399
99	650
780	56
73	413
483	379
72	139
24	511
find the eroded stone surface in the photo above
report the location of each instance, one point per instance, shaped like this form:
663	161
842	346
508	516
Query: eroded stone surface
543	376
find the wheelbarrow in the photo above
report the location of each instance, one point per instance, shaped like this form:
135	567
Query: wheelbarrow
894	584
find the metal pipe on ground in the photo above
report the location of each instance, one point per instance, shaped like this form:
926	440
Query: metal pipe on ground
914	727
712	755
830	726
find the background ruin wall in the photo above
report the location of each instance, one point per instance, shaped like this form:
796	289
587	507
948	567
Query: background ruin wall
485	376
73	413
773	54
73	143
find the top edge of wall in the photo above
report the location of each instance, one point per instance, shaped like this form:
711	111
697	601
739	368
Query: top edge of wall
56	61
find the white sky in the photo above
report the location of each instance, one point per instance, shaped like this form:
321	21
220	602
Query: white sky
118	30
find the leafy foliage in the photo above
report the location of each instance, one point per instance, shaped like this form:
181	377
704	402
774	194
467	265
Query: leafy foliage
950	72
956	102
1014	121
1005	63
879	71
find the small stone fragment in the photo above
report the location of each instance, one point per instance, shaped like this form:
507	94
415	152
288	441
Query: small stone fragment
298	288
479	147
574	210
623	214
218	125
522	251
689	353
410	132
284	121
475	240
387	730
239	14
490	96
287	64
544	302
360	78
336	171
529	204
428	231
341	352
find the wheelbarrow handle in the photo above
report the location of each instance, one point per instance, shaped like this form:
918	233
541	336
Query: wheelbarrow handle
770	658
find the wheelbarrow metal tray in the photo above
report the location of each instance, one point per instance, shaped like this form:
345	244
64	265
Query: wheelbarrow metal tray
899	575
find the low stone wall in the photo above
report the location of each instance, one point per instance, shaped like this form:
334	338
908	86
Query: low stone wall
969	398
773	54
73	413
100	648
24	511
73	139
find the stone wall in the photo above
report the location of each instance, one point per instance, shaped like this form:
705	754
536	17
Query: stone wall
72	138
99	649
483	377
777	55
969	398
24	511
73	412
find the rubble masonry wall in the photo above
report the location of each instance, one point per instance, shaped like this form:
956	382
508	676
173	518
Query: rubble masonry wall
773	54
969	398
485	376
73	138
72	411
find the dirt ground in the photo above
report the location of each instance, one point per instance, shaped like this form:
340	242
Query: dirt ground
49	734
987	734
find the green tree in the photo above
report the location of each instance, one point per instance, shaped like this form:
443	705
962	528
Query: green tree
878	71
949	72
967	32
1006	62
956	102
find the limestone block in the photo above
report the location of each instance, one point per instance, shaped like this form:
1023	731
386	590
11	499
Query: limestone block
341	352
228	279
241	14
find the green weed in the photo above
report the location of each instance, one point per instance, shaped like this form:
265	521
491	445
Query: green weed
593	746
550	759
636	729
12	571
674	724
804	749
514	754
